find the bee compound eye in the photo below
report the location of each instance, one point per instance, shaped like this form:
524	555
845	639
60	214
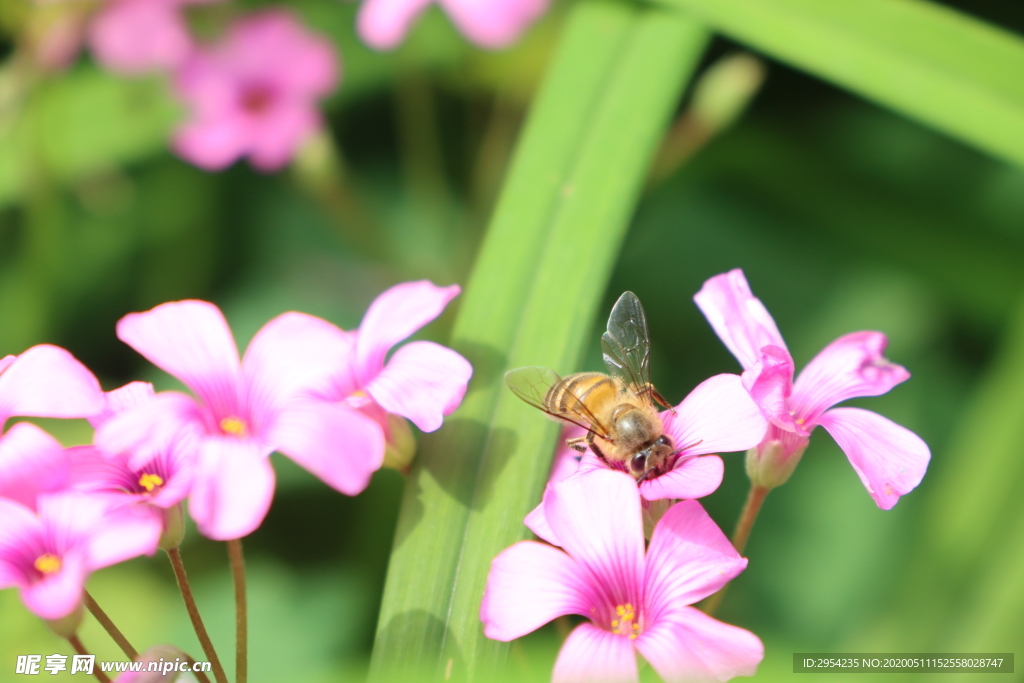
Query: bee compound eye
639	462
663	440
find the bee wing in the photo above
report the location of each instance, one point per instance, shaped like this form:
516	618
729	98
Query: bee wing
532	384
627	344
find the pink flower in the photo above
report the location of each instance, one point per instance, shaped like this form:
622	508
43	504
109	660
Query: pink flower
164	481
382	24
421	381
135	36
717	416
634	601
889	459
243	410
44	381
255	93
49	554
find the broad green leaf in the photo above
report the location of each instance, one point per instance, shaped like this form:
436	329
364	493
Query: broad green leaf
565	208
935	65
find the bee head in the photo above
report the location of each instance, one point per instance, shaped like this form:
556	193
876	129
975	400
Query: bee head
652	460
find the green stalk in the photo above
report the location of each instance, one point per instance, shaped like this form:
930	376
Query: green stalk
531	300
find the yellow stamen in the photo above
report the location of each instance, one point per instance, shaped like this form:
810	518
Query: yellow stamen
150	481
358	394
47	563
625	624
233	425
800	420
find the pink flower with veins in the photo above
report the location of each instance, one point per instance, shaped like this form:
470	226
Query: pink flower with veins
889	459
635	601
493	24
50	553
44	381
242	411
163	481
718	416
255	93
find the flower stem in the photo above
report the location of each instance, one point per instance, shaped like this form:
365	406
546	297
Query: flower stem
755	498
237	560
115	633
200	675
193	614
80	649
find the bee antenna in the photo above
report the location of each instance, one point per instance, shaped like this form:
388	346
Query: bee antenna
645	475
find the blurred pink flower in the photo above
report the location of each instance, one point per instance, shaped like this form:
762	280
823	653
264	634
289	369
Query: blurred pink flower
243	410
44	381
889	459
49	554
382	24
634	601
717	416
164	481
255	93
135	36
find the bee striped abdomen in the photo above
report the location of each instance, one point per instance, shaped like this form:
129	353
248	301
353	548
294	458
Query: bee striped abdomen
588	388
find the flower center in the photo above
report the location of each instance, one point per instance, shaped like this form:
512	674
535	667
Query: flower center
626	623
256	99
47	563
233	425
150	481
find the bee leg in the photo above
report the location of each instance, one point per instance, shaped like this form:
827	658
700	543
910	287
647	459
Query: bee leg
660	399
577	444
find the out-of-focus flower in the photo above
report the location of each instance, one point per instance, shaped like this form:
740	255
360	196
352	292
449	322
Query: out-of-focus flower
717	416
889	459
421	381
243	410
255	93
44	381
382	24
48	554
135	36
126	36
163	482
165	656
634	601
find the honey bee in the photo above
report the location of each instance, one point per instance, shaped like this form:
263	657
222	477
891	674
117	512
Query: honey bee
617	409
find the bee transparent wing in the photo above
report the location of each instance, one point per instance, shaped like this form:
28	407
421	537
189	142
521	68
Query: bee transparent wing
627	345
532	384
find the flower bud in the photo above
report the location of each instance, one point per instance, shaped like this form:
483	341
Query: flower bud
772	461
174	528
401	444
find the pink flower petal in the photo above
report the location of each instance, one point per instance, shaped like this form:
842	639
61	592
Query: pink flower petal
738	317
47	381
694	477
336	443
20	529
889	459
292	354
423	382
850	367
191	341
718	416
537	522
689	559
213	143
122	399
125	532
382	24
133	36
770	383
233	489
691	646
495	23
281	132
31	462
57	595
393	316
593	655
148	429
529	585
597	518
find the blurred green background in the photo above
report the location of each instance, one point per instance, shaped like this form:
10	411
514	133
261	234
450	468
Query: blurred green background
843	215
